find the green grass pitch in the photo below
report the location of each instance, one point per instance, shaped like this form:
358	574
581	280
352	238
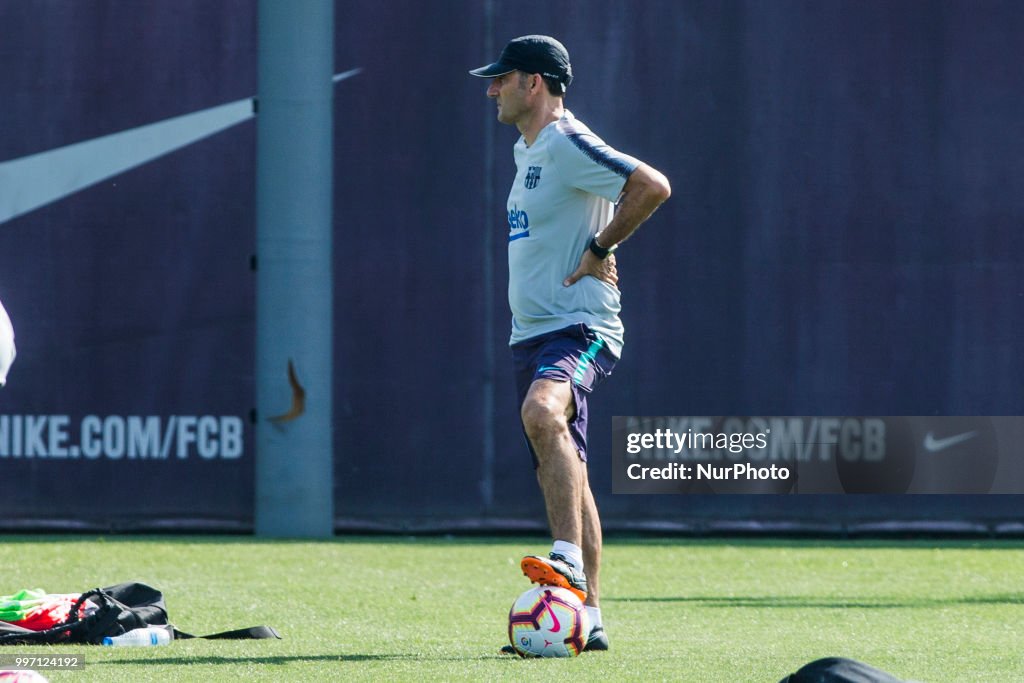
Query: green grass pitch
426	609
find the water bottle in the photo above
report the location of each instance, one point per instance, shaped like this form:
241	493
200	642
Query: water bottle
141	637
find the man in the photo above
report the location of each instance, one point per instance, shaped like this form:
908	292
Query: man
6	344
566	332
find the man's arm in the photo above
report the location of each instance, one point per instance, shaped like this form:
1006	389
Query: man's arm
645	190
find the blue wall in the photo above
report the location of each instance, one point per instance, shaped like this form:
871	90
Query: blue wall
844	237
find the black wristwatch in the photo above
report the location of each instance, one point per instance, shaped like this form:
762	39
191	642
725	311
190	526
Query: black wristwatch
599	251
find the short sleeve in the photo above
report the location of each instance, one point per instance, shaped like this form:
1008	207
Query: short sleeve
585	162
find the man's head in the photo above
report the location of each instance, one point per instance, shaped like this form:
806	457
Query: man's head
529	70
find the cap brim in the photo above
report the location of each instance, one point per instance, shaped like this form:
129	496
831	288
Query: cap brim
492	70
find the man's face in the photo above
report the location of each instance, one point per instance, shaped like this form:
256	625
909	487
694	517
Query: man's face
510	93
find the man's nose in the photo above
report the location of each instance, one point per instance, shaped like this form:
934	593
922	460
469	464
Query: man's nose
492	90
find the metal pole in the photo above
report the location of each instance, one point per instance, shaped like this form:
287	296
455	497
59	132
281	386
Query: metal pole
294	288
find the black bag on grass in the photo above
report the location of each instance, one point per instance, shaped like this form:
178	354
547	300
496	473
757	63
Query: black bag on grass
839	670
121	608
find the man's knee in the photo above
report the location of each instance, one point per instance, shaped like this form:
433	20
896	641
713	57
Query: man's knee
543	414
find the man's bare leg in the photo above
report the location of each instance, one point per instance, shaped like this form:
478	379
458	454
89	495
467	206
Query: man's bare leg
546	413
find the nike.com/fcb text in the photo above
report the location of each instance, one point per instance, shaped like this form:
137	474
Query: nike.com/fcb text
117	437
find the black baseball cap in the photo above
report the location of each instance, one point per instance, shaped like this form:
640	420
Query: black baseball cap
533	55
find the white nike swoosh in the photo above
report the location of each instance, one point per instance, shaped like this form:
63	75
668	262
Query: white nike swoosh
933	445
33	181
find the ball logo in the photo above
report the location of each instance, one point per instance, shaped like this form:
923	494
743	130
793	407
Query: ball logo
555	625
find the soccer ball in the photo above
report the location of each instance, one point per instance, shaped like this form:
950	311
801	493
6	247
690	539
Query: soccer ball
548	621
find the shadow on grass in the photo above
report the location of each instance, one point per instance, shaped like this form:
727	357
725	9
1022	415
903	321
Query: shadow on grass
286	659
803	602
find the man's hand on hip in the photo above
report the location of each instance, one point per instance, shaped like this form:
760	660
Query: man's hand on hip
603	270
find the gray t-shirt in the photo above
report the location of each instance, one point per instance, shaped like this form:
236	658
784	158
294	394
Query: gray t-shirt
566	184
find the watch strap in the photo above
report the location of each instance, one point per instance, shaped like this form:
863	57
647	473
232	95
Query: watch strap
599	251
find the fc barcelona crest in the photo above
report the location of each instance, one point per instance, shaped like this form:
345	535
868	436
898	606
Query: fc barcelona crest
532	177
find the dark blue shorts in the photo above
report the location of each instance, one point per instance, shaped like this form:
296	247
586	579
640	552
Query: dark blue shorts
573	354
